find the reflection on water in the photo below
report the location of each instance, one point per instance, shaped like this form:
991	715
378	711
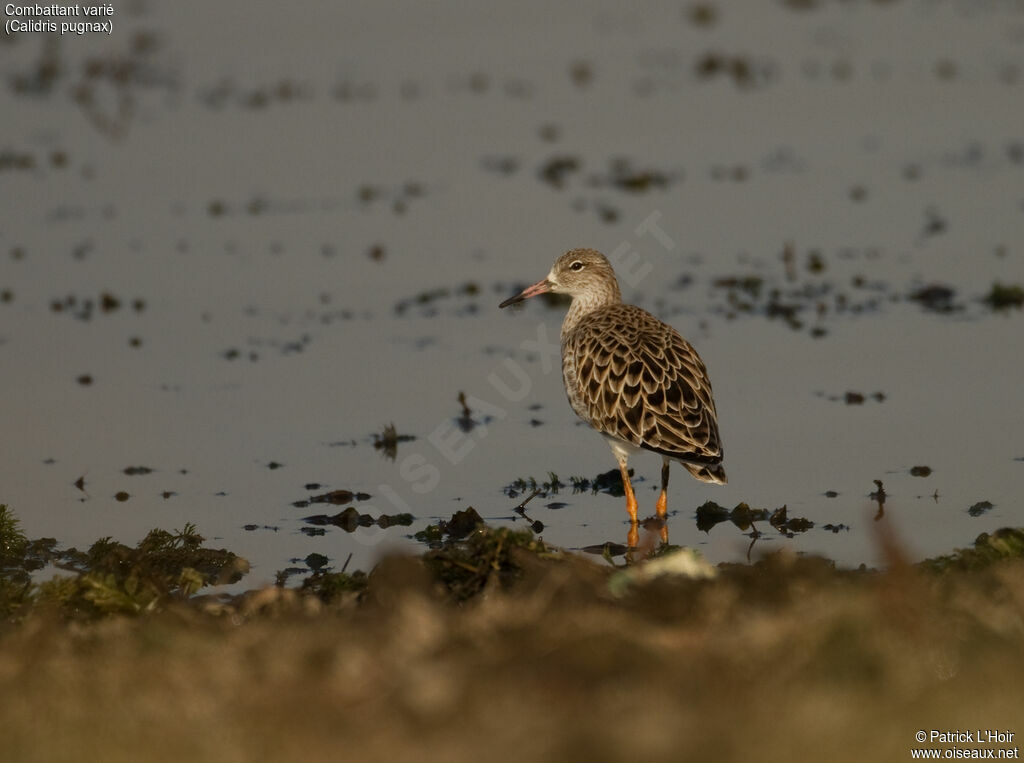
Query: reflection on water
242	273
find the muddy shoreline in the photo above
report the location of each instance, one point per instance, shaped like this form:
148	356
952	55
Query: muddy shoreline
497	645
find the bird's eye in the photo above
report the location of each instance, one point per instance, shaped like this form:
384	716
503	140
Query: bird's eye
576	266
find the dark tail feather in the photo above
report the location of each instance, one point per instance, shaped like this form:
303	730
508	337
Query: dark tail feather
705	473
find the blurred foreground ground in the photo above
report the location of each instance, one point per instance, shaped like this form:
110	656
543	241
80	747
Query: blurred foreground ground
554	658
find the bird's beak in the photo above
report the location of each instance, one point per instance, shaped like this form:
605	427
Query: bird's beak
541	287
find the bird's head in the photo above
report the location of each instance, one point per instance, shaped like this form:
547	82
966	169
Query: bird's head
578	272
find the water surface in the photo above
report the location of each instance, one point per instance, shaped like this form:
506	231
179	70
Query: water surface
238	243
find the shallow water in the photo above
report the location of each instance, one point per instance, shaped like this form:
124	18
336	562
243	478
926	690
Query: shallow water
304	227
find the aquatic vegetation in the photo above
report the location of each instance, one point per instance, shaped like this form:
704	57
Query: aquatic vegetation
110	578
331	587
1003	297
988	549
14	579
12	540
388	440
609	482
465	567
461	524
532	485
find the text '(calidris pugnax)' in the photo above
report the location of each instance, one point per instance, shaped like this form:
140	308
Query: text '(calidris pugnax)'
630	376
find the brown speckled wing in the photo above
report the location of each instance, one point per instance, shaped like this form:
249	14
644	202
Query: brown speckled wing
635	378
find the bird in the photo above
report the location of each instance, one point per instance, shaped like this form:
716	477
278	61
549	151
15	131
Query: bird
631	376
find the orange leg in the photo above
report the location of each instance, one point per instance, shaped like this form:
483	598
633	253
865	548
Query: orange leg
631	504
662	505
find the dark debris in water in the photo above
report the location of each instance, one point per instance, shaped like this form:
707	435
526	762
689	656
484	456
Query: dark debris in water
107	87
333	497
84	308
879	493
787	525
710	514
935	223
852	397
253	528
387	441
399	198
350	520
257	345
557	169
427	304
980	508
254	97
744	72
461	524
750	285
465	420
624	176
609	482
778	294
937	298
920	471
702	15
805	298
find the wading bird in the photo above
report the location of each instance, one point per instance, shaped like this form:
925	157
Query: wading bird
630	376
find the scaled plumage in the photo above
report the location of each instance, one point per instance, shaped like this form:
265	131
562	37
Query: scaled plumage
634	378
